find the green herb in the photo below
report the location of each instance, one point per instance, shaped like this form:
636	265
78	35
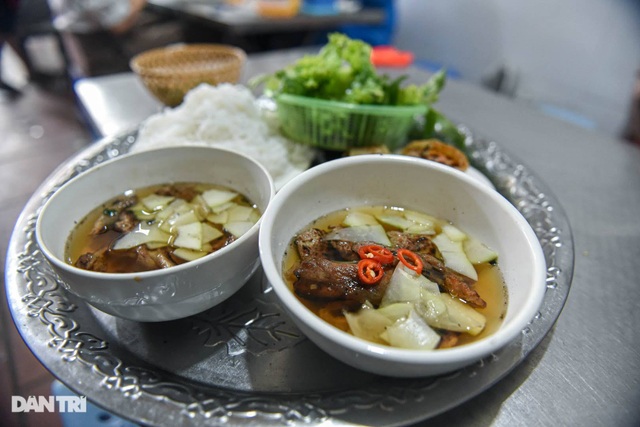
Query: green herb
436	125
342	71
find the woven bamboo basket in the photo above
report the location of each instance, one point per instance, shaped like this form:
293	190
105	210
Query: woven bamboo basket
170	72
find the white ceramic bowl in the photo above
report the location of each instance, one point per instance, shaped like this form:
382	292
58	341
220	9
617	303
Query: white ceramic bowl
424	186
164	294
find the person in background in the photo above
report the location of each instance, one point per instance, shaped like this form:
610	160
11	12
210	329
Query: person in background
8	18
95	33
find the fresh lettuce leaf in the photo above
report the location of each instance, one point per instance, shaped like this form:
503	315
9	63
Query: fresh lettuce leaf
342	71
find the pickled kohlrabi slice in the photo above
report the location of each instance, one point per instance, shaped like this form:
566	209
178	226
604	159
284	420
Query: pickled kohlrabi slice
454	256
238	228
141	234
360	233
368	323
215	197
477	252
189	236
406	285
355	219
445	312
412	333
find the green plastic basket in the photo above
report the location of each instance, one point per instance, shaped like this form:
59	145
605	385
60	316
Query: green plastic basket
339	126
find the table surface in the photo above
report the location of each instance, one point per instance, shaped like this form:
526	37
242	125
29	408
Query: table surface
586	371
243	21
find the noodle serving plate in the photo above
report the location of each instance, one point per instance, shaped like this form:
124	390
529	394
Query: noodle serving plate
244	362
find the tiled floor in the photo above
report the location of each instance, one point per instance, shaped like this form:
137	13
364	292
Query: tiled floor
38	130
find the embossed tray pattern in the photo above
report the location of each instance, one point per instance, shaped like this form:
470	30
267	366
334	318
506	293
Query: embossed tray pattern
244	362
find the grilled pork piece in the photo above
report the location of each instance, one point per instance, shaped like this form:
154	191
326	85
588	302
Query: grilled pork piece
112	214
161	257
320	277
348	251
126	222
434	269
448	339
323	279
418	243
186	192
455	283
311	244
92	261
140	256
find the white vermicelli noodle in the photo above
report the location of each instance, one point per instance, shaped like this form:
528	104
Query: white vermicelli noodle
226	116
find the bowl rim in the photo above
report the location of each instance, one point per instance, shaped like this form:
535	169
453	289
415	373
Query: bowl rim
310	102
468	352
139	276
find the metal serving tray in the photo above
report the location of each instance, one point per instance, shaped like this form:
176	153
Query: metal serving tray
244	363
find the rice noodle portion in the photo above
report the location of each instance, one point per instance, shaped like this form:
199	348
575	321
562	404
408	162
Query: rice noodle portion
226	116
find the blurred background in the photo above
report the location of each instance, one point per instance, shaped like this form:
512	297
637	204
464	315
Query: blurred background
577	60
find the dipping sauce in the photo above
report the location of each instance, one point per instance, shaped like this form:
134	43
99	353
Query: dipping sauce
433	285
158	227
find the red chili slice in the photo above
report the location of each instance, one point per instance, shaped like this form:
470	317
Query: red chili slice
370	271
414	262
377	253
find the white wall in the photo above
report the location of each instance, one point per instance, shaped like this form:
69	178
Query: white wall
582	55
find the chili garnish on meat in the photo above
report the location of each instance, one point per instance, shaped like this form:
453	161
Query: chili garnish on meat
413	262
370	271
377	253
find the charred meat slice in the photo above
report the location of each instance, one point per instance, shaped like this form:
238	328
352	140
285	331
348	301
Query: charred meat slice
103	223
348	251
126	222
311	244
418	243
448	339
455	283
180	191
323	279
162	257
222	242
111	214
92	261
145	258
124	202
461	287
135	259
320	278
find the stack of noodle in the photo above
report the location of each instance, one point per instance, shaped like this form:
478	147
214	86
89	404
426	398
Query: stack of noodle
226	116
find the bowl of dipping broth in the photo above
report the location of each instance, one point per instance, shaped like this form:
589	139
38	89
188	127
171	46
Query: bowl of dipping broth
157	235
401	267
